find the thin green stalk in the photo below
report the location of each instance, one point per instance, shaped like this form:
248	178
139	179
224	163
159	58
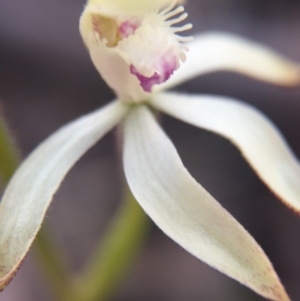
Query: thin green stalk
52	262
115	253
9	156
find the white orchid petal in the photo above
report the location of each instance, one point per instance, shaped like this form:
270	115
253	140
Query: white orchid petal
220	51
186	212
31	189
116	73
253	133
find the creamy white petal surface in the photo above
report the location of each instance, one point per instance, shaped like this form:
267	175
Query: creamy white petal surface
116	73
32	187
221	51
186	212
252	132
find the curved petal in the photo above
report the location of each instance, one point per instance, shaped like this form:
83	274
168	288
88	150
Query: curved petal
186	212
253	133
220	51
31	189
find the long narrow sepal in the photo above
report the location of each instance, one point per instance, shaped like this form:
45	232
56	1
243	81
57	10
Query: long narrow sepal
253	133
186	212
218	51
31	189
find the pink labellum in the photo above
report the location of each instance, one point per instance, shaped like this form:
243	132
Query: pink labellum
128	27
165	70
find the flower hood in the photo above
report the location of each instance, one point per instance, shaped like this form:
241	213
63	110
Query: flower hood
134	47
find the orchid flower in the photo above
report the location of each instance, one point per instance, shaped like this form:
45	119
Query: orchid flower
137	48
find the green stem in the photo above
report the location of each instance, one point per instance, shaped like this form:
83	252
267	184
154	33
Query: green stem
115	253
9	156
52	262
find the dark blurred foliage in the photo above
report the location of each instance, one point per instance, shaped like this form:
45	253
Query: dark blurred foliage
47	79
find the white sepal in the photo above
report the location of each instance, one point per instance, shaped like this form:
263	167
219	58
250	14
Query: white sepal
252	132
217	51
186	212
32	187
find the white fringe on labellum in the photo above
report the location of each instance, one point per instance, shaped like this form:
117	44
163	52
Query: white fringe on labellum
146	50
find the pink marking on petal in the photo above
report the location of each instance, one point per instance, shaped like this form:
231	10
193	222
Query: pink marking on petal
128	27
166	69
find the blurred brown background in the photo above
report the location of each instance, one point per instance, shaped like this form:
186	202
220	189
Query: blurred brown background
47	79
